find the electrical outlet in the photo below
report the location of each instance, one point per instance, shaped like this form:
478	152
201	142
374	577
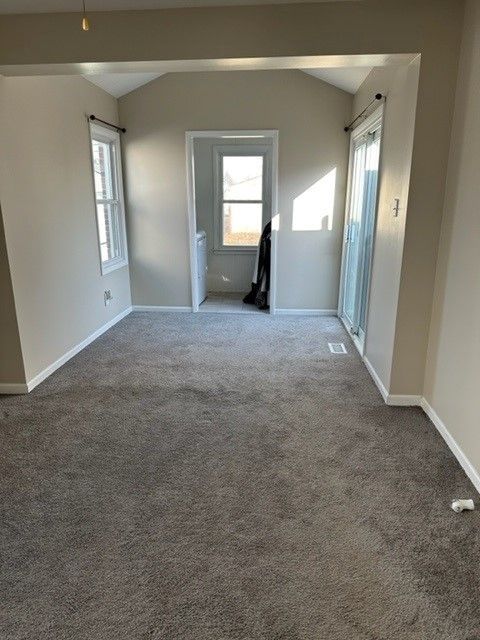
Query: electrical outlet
107	297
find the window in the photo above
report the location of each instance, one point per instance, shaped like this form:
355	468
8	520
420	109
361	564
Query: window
241	193
107	174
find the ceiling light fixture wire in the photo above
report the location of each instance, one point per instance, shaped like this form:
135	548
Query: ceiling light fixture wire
85	22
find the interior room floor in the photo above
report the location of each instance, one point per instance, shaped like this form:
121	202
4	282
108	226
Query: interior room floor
227	303
193	477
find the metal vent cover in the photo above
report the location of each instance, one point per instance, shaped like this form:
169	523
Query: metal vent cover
337	347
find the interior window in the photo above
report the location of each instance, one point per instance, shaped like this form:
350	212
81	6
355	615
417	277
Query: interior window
242	200
109	198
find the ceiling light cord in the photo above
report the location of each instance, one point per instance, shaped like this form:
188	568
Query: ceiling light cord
85	22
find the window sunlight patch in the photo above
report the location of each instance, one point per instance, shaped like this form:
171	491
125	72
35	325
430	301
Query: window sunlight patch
313	209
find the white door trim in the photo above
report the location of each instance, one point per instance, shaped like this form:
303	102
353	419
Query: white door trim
190	137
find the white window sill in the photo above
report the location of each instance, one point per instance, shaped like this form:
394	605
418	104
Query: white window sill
108	267
227	250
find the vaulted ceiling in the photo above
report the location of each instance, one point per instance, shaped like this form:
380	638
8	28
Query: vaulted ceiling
347	78
118	84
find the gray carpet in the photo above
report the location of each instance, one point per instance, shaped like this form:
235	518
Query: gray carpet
212	477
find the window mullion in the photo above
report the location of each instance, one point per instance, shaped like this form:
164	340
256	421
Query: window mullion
243	201
107	201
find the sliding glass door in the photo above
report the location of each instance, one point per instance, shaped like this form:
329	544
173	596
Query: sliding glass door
360	225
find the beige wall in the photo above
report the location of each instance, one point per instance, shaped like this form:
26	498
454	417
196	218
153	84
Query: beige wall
422	232
400	87
309	115
48	207
327	28
429	27
453	366
11	361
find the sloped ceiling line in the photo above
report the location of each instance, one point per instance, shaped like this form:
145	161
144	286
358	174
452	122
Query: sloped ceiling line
118	84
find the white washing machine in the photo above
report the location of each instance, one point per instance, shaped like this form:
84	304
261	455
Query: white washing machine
201	238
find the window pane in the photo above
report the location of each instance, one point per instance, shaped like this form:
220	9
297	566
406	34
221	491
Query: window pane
102	170
242	224
108	231
242	177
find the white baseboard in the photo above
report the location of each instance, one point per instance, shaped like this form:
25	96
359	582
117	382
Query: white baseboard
9	388
376	378
305	312
397	400
147	307
31	384
452	444
394	400
390	399
419	401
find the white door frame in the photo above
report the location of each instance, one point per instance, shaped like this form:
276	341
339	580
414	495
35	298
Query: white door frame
190	137
377	115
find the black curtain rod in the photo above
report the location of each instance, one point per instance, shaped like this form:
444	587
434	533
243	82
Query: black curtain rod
378	96
109	124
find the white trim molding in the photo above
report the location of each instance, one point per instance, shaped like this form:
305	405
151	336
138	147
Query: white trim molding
106	135
467	466
20	388
398	400
31	384
229	136
419	401
392	399
160	309
376	378
375	119
13	388
305	312
220	150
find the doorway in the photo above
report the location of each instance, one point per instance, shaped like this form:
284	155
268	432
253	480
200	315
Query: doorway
361	210
232	203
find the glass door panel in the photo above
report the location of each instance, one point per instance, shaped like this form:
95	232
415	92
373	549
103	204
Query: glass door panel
371	179
360	228
353	229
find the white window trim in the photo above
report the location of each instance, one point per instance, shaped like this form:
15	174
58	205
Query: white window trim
375	120
238	150
105	134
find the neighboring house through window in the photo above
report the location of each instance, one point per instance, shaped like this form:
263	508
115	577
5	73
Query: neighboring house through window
242	187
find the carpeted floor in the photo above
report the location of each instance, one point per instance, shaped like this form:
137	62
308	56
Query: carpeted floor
204	477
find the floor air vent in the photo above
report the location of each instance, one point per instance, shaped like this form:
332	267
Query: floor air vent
337	347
